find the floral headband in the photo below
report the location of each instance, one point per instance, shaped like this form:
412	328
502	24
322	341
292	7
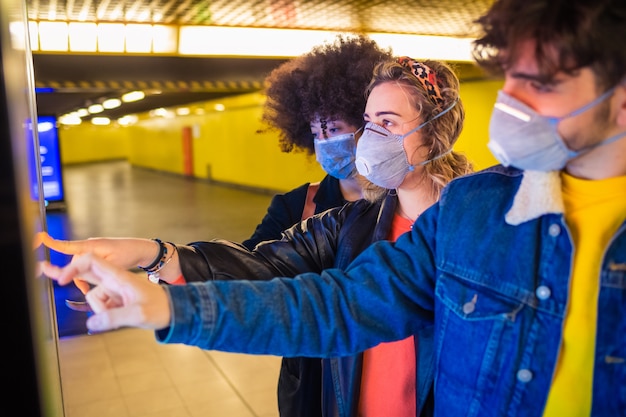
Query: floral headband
426	76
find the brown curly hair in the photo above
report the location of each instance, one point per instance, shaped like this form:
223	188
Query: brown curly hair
328	82
584	33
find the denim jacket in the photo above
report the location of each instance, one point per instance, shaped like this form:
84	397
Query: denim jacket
488	265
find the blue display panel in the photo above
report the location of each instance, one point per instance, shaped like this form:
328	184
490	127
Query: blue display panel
51	173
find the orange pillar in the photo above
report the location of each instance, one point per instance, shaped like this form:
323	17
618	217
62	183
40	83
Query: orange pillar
187	151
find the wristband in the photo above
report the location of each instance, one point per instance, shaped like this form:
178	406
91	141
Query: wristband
159	258
153	273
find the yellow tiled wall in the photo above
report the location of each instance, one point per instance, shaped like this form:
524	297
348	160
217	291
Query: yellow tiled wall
228	148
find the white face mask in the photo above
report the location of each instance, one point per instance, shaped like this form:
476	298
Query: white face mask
380	154
336	155
520	137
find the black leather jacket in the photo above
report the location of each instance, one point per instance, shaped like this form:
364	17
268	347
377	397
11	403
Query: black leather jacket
330	239
286	209
300	380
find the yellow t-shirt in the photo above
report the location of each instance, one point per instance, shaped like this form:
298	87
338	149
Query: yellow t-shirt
593	210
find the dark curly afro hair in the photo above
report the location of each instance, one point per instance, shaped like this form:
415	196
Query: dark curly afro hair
328	82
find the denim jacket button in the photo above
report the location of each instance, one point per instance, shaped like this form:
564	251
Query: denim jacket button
524	375
470	306
543	293
554	230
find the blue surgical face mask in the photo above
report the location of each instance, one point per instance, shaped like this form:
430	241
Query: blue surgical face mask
520	137
336	155
380	154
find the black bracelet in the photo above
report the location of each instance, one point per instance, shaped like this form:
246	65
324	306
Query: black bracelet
154	273
157	260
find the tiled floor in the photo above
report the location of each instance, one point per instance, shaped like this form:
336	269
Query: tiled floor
125	373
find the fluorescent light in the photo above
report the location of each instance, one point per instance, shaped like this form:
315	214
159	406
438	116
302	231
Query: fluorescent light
70	119
83	36
82	16
229	41
111	37
101	37
100	121
53	36
111	103
95	108
138	38
82	112
127	120
161	112
133	96
165	39
426	47
143	16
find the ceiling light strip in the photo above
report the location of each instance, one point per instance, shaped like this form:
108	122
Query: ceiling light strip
224	41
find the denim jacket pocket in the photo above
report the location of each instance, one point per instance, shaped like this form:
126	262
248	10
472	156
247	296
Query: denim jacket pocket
478	330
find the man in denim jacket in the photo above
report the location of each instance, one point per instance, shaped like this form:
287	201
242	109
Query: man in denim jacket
521	267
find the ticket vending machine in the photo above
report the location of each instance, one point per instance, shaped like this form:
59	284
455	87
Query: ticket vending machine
29	334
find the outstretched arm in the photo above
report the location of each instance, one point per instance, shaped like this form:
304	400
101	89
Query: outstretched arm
385	295
126	253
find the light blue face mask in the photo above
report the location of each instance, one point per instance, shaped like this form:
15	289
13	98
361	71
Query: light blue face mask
520	137
380	154
336	155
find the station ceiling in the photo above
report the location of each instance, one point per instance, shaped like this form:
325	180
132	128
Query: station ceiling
80	79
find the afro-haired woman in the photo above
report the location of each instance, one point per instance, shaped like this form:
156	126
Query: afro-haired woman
315	103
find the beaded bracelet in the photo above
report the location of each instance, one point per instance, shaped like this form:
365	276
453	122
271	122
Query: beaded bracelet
153	273
154	276
159	258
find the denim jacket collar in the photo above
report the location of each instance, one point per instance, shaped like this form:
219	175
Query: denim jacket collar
539	193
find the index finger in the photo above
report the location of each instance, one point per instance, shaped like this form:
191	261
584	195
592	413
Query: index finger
67	247
79	267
